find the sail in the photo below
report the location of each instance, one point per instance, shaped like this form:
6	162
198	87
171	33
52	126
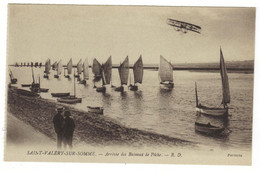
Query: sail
224	78
138	70
165	70
85	69
54	65
79	67
96	67
59	67
47	66
107	71
69	66
124	71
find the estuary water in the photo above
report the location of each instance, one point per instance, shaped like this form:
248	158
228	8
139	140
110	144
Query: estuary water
170	113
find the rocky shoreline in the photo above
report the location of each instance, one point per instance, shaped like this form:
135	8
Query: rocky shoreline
90	129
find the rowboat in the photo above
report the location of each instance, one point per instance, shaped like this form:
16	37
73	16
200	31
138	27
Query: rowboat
138	74
123	74
26	85
106	73
208	128
44	90
166	74
217	111
69	100
97	110
60	94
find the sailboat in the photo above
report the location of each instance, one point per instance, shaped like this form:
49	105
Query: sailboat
123	73
35	87
106	72
85	72
138	71
70	99
166	73
79	69
96	69
213	111
47	68
54	66
69	69
59	69
13	80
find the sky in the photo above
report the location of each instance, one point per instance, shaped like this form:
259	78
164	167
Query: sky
38	32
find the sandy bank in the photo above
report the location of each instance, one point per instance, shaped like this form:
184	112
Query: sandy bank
90	128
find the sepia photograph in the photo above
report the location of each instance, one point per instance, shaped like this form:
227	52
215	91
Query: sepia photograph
129	84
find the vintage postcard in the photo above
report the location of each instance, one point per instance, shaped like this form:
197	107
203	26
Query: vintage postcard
130	84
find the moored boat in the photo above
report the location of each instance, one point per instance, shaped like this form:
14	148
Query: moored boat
96	69
44	90
79	69
217	111
47	69
96	110
208	129
60	94
13	80
69	100
85	72
26	85
166	74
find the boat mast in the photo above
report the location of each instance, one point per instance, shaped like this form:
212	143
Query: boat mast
74	84
33	75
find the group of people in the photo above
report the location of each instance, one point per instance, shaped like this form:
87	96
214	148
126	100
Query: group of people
64	127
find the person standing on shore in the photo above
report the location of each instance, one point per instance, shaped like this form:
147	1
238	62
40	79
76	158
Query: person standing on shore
59	123
69	128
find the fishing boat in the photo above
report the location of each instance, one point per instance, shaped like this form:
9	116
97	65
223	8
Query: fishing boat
85	72
13	80
138	71
59	69
79	69
208	128
96	69
60	94
36	64
106	72
40	65
27	93
47	69
217	111
123	74
165	74
69	69
96	110
70	99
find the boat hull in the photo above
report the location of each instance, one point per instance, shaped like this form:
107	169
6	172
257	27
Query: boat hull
26	85
67	76
101	89
46	76
216	112
69	100
208	129
96	110
45	90
60	94
13	81
84	82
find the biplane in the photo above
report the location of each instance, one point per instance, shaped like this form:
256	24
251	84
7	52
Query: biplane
183	26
